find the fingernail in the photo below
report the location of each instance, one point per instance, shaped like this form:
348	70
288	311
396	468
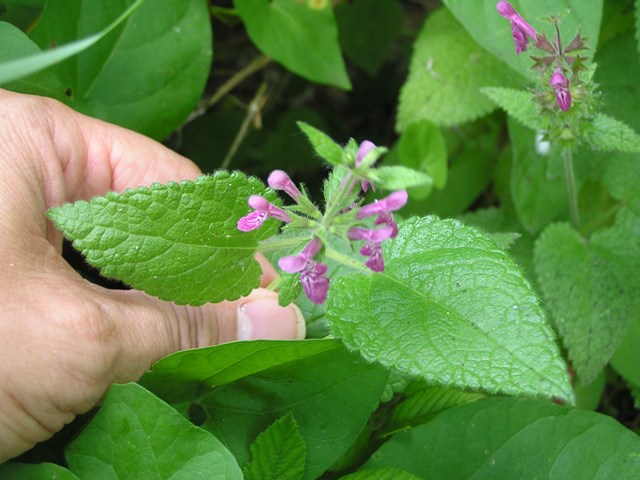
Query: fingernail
266	320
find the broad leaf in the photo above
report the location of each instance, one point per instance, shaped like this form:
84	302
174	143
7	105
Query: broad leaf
452	309
278	452
380	474
323	144
329	418
591	289
446	73
514	438
137	435
20	67
186	375
179	241
611	135
520	104
483	22
164	47
40	471
303	36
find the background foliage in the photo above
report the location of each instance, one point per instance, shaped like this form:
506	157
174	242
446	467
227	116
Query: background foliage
505	296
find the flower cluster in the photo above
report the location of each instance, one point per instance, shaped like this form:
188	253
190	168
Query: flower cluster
343	216
558	60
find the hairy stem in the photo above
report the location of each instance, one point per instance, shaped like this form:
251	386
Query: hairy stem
571	186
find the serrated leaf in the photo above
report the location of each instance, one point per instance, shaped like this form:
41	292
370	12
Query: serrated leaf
137	435
610	135
422	147
323	144
184	375
303	36
590	288
514	438
164	46
448	69
400	178
424	404
380	474
453	309
329	418
520	104
290	289
179	242
278	452
40	471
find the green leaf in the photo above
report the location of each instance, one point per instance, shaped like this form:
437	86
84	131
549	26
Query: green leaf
17	68
164	47
421	405
136	435
473	319
278	452
538	198
400	178
590	288
611	135
179	241
331	395
40	471
303	36
290	288
514	438
626	359
520	104
184	376
422	147
367	30
493	32
446	73
380	474
323	144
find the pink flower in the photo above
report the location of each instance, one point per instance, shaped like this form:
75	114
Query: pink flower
279	180
560	84
373	247
520	29
312	274
365	147
263	210
383	209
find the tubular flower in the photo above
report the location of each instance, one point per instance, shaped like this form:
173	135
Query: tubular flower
373	247
312	274
263	210
383	209
279	180
560	85
520	29
365	147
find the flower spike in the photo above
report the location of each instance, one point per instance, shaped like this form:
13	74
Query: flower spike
373	247
312	274
263	210
365	147
520	29
383	209
560	84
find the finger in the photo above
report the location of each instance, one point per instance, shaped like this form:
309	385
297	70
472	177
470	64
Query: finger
151	329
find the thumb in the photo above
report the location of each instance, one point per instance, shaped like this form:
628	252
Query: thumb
151	328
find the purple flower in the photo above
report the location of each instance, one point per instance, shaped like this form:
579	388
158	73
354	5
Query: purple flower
560	84
520	29
365	147
383	209
263	210
312	274
279	180
373	247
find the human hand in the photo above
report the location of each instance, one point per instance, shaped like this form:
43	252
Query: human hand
64	340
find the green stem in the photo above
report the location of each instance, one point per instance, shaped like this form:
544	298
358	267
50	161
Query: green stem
571	186
344	259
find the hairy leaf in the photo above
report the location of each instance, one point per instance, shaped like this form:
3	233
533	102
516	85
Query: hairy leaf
137	435
278	452
303	36
514	438
590	288
451	308
446	73
611	135
398	177
380	474
323	144
520	104
179	241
